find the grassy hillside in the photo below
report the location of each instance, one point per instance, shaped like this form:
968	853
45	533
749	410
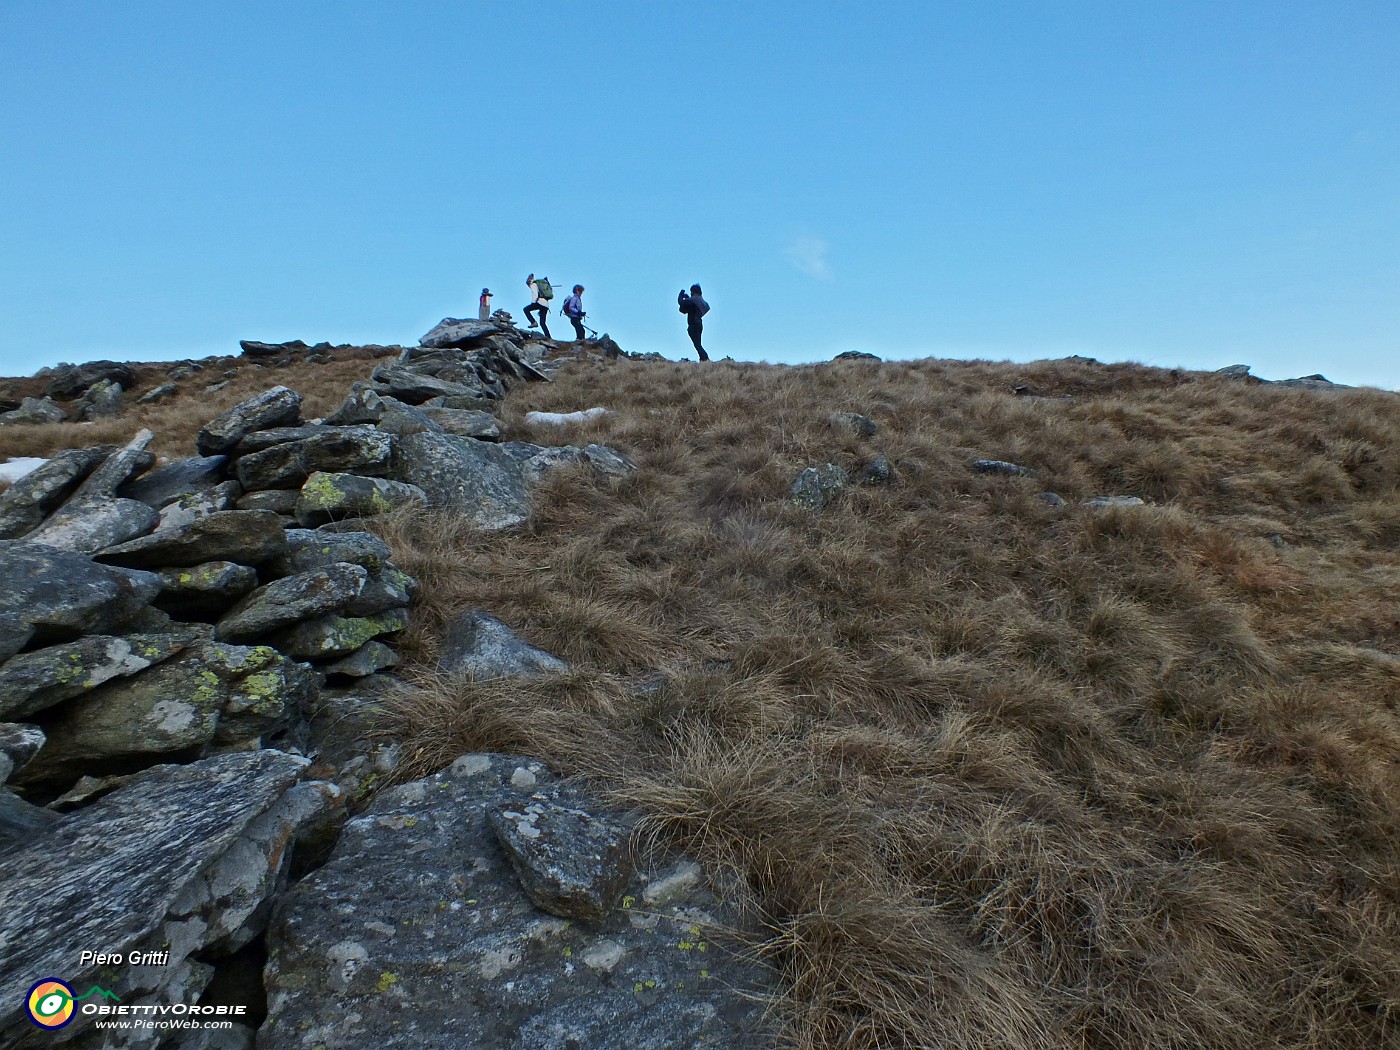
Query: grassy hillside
1000	774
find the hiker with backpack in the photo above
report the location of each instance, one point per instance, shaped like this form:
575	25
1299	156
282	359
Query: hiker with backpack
573	310
540	295
694	307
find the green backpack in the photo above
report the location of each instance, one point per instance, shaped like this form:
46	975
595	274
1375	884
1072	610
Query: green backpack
543	288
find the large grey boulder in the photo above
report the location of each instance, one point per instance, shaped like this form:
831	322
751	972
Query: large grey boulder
259	440
69	381
473	477
210	697
249	537
453	331
464	422
316	548
281	603
413	388
359	450
419	887
62	595
24	505
36	680
168	483
33	410
102	400
484	648
88	526
272	408
329	496
183	860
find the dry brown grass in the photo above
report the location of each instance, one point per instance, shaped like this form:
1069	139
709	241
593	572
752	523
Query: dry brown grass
998	774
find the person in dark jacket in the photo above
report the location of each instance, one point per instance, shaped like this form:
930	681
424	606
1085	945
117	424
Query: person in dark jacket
694	307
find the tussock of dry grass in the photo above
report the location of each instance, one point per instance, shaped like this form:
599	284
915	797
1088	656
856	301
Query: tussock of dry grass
998	774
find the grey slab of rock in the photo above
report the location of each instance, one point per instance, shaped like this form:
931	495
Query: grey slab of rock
254	348
1234	372
25	504
572	862
1050	499
62	594
40	679
280	603
418	893
360	450
250	537
456	332
413	388
363	405
368	659
279	501
1113	501
33	410
195	505
389	588
1000	466
205	590
112	874
329	496
465	422
122	465
68	381
265	439
211	696
334	636
102	400
475	402
88	526
168	483
485	648
861	426
19	743
467	475
21	823
157	393
272	408
855	355
815	487
315	548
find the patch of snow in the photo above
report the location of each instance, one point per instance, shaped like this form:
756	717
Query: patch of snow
558	419
17	468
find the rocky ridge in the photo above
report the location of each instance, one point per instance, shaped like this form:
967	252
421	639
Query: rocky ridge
189	660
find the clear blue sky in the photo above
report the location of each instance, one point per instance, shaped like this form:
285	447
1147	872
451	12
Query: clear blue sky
1180	183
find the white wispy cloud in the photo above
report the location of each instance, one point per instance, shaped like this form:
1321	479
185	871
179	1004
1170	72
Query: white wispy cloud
808	254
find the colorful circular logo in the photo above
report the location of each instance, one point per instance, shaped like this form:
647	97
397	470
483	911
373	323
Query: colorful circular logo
50	1003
